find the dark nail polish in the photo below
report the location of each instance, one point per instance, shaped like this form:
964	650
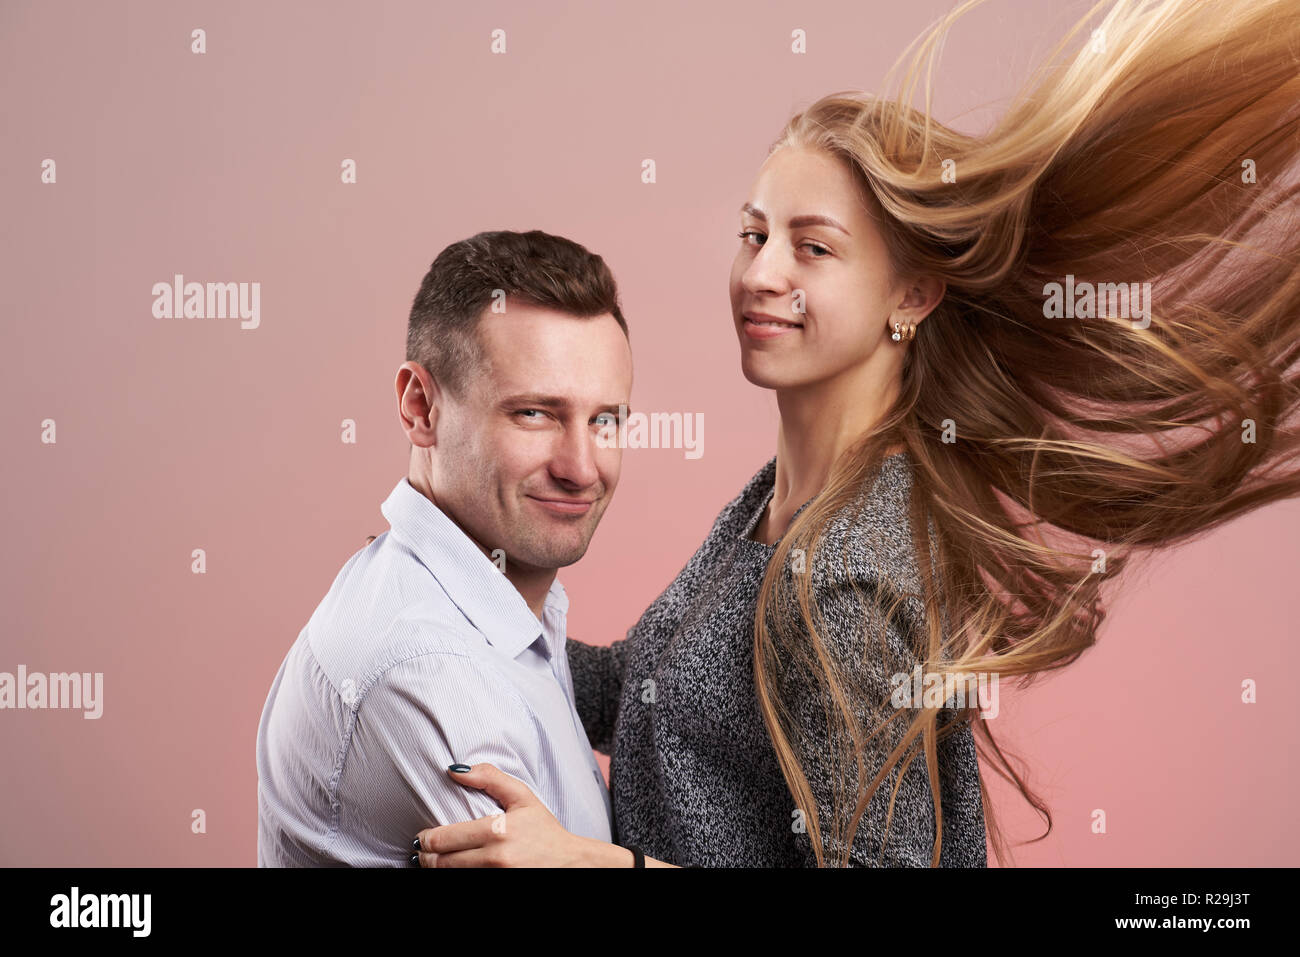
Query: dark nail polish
415	845
459	768
415	858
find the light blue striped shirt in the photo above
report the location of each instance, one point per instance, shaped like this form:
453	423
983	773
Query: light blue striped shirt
421	654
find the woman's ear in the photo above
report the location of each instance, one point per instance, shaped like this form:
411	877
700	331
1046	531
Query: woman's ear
920	296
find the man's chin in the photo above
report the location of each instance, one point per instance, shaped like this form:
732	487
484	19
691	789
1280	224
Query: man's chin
555	558
552	552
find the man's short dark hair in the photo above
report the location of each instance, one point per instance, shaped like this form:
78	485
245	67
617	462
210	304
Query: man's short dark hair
534	267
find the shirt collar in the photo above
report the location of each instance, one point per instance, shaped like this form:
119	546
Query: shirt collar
483	594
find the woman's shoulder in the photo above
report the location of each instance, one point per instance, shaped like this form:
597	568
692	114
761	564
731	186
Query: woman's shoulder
738	513
870	542
865	572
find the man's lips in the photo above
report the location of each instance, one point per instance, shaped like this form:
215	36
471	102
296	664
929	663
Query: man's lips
564	506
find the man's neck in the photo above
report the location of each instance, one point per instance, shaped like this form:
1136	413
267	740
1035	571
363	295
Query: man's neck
534	585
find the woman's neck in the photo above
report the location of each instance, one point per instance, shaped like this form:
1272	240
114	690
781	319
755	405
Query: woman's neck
818	422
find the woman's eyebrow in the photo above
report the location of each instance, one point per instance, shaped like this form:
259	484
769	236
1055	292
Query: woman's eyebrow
796	221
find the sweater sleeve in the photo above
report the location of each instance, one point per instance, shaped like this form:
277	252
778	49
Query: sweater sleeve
597	685
852	629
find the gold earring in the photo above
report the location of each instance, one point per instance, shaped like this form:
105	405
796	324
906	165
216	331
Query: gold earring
911	331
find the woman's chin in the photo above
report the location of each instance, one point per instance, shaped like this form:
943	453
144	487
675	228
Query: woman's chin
762	374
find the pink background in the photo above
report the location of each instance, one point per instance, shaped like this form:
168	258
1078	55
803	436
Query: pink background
183	434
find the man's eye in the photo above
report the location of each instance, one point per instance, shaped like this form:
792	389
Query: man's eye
533	417
606	419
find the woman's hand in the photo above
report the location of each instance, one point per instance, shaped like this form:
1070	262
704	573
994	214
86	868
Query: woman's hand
526	834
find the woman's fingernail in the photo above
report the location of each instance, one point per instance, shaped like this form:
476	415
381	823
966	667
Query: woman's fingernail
459	768
415	858
415	845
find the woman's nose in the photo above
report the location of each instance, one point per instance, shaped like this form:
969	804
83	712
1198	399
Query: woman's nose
767	272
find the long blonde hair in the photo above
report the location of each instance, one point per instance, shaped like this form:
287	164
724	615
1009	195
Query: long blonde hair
1162	152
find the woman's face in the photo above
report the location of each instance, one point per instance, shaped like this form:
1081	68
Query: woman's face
812	259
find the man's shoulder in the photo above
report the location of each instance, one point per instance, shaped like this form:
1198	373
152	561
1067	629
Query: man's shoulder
364	651
379	613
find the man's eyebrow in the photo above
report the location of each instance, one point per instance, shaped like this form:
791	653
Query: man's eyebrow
557	402
536	398
796	221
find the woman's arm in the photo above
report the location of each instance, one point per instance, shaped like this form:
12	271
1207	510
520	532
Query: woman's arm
597	685
525	834
612	855
965	839
851	630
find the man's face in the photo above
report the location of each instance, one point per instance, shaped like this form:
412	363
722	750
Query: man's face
517	463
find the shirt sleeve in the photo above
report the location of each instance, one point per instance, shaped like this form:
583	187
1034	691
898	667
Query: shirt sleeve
851	630
419	716
597	687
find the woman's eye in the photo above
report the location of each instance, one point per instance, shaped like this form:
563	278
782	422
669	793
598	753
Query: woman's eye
820	252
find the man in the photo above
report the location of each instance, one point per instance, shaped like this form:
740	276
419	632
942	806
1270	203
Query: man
443	641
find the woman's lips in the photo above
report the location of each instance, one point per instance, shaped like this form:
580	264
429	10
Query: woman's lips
563	506
761	327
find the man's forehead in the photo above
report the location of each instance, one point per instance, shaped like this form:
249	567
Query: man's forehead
528	350
526	318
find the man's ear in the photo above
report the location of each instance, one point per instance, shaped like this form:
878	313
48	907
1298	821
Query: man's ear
419	399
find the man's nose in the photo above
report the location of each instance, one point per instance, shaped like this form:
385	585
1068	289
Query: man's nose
573	461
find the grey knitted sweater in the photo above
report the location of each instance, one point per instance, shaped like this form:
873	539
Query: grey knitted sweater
694	778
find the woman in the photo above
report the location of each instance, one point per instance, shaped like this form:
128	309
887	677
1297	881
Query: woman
970	444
